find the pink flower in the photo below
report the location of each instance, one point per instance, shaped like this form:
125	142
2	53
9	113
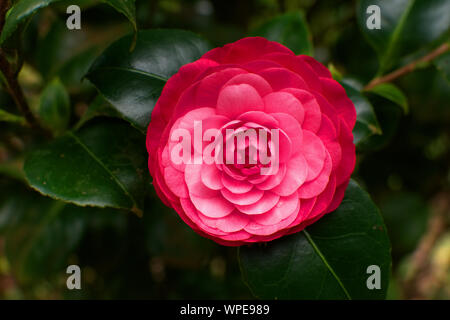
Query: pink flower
252	84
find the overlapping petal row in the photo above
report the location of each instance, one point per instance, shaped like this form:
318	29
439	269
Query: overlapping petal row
254	83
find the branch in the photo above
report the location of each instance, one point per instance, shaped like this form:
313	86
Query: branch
4	6
437	225
409	67
10	76
14	89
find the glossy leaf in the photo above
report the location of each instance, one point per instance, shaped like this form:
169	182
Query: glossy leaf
72	71
289	29
98	107
392	93
102	165
54	107
406	27
24	9
328	260
133	81
366	120
126	7
40	233
44	239
389	116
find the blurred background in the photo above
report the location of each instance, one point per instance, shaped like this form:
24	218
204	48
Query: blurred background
406	169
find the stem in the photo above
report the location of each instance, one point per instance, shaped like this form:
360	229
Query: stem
4	6
409	67
15	90
420	263
10	77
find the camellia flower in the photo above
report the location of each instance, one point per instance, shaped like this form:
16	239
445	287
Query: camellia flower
277	132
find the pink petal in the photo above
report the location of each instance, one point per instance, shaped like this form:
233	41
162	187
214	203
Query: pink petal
244	50
274	179
175	181
189	210
335	151
318	68
296	173
281	78
292	128
237	99
236	186
328	110
236	236
348	159
258	65
214	207
284	146
298	66
259	117
313	115
306	206
192	177
337	96
176	85
232	223
324	199
338	197
284	208
210	86
265	204
211	177
327	130
314	152
315	187
277	102
256	81
271	230
250	197
162	190
165	158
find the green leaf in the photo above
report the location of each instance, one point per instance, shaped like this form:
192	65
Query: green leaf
335	73
161	223
290	29
406	27
72	71
392	93
24	9
366	120
126	7
327	260
40	234
98	107
405	215
133	81
19	13
45	238
442	63
389	116
12	118
54	107
103	164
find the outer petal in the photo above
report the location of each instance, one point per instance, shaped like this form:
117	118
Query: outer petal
245	50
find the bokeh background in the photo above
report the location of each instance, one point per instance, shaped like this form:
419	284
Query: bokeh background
406	170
